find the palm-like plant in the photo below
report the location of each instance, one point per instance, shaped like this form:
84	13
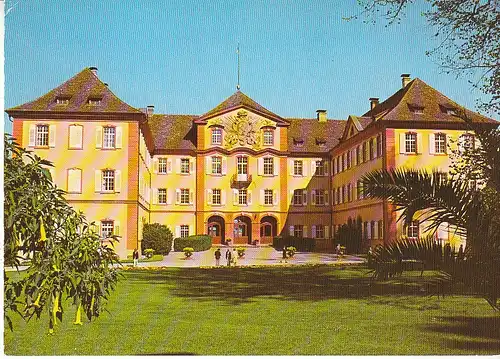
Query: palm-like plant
435	199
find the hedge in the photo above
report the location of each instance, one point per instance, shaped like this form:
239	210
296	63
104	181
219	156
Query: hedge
157	237
198	243
302	244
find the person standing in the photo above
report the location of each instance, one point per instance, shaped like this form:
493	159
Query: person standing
217	257
284	254
135	257
228	258
234	256
460	256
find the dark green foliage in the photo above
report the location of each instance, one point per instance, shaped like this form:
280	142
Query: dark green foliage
68	259
349	235
302	244
198	243
157	237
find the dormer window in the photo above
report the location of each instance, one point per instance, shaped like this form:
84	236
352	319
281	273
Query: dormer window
299	142
321	142
216	136
62	101
449	110
416	109
268	137
94	101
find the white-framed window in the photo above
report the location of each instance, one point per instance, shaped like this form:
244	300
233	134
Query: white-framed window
371	148
298	197
349	191
268	166
412	230
320	231
358	155
216	196
75	137
108	180
268	137
107	229
62	101
359	189
337	195
343	162
42	135
216	136
162	195
242	165
298	168
109	137
216	165
268	196
380	229
379	145
298	230
320	168
184	230
348	159
184	196
343	198
185	165
242	196
74	180
410	142
338	165
319	197
440	143
162	165
363	153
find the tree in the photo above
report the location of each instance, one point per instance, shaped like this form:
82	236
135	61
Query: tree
157	237
67	258
468	33
474	212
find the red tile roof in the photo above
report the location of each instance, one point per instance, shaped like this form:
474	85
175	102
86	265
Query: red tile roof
78	90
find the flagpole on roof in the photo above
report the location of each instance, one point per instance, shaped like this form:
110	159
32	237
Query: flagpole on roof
238	53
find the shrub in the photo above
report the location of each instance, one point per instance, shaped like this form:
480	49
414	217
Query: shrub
149	252
157	237
350	236
290	251
228	241
241	251
188	251
301	244
198	243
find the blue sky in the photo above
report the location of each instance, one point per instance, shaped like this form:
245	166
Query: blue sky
296	56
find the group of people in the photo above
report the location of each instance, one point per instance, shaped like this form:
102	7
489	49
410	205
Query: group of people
231	257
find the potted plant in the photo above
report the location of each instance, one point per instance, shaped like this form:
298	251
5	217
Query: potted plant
148	253
241	251
228	241
290	251
188	252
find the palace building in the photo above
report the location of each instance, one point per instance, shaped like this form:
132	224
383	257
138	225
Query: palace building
238	171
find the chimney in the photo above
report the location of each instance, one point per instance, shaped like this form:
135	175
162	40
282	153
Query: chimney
321	114
93	69
405	79
106	84
150	110
373	102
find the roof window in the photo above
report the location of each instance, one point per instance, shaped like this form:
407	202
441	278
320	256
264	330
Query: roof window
449	110
416	109
94	101
299	142
62	100
321	142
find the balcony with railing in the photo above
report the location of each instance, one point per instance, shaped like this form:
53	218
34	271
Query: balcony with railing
241	180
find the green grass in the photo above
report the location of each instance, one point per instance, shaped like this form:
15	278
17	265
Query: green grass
319	310
154	258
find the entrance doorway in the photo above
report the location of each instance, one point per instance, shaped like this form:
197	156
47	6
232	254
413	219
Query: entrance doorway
242	230
216	229
268	229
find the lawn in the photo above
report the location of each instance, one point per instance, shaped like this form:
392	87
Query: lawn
319	310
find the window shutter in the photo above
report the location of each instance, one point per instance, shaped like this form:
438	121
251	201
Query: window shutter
304	232
209	196
155	165
326	197
304	198
375	147
177	231
276	164
155	196
235	197
354	159
223	197
32	139
262	196
118	181
402	143
177	196
275	197
177	165
368	229
98	178
116	228
432	143
224	165
304	168
313	231
191	166
291	230
334	166
249	197
169	196
208	165
52	136
169	165
326	232
118	140
98	137
326	167
420	146
191	196
313	196
375	230
260	166
313	167
290	163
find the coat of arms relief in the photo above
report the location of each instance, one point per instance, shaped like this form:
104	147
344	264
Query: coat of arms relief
242	129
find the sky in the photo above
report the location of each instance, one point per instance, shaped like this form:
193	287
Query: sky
180	55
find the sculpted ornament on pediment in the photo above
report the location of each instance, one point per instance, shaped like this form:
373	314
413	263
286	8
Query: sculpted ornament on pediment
242	129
